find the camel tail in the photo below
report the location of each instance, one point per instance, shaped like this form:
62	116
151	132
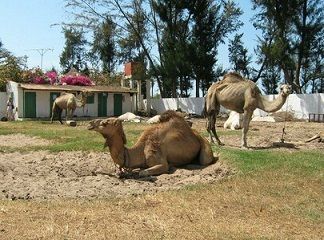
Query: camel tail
206	156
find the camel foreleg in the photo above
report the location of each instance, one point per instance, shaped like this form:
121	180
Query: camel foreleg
155	170
155	161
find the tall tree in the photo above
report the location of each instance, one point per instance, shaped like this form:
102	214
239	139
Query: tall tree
238	56
294	27
11	67
74	53
104	45
161	33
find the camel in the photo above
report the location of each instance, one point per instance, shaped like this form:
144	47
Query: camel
169	143
234	121
69	102
241	95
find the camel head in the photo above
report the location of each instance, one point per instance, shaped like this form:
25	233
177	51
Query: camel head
285	90
109	128
83	98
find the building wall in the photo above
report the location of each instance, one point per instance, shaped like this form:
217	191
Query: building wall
3	104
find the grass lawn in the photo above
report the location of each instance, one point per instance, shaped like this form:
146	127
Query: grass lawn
275	194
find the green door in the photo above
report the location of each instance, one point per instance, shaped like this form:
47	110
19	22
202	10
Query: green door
118	104
102	104
53	96
30	105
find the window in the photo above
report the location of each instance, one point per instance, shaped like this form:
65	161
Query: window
90	99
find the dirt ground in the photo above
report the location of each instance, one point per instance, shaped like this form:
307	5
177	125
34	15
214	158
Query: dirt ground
46	175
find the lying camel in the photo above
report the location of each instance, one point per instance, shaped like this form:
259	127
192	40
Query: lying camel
169	143
69	102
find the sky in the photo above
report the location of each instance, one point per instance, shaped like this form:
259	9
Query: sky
28	27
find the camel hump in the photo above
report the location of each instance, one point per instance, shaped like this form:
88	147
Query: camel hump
170	114
232	77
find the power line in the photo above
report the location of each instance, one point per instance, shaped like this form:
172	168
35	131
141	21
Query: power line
42	52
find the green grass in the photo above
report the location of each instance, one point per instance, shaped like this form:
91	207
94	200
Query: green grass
301	162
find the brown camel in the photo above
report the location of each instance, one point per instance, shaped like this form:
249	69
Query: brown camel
241	95
169	143
69	102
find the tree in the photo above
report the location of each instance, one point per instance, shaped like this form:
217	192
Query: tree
160	34
74	53
294	26
10	67
103	45
238	56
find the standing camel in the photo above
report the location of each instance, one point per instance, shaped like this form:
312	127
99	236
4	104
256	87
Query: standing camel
69	102
241	95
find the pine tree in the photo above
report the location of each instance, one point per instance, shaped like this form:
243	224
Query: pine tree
238	56
74	53
294	27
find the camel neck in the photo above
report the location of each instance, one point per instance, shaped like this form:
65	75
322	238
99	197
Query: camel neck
272	106
123	156
117	149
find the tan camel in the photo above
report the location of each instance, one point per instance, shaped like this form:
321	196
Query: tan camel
69	102
241	95
169	143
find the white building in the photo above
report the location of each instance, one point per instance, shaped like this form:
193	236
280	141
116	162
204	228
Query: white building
36	100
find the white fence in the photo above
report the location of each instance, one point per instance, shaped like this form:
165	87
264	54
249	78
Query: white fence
298	104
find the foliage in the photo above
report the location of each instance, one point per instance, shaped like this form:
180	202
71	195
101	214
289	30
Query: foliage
164	35
238	56
74	54
292	33
103	45
11	67
106	79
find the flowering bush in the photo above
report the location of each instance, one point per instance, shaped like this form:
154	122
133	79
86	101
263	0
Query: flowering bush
39	80
76	80
51	77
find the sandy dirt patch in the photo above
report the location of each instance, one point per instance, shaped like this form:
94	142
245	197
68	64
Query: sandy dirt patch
44	175
21	140
267	135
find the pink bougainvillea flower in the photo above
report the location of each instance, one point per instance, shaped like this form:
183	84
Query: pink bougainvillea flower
76	80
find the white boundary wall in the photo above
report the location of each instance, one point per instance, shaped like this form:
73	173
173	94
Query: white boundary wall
299	104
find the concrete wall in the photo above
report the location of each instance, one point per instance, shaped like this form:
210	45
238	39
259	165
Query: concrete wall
3	104
299	104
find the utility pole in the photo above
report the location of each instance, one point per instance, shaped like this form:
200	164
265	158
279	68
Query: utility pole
42	52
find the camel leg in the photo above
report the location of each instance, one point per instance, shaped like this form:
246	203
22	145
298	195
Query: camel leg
211	127
59	113
246	122
156	163
53	112
155	170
